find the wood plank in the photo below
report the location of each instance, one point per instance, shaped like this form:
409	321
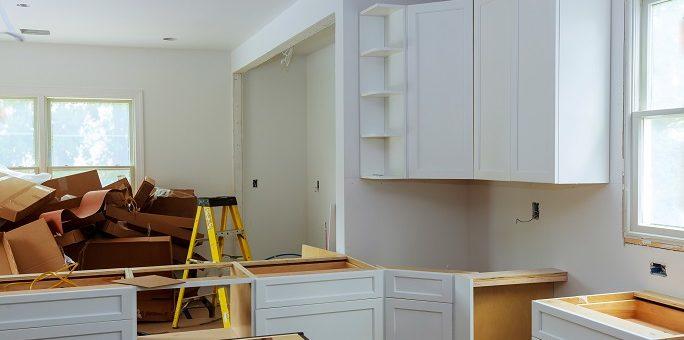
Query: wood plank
660	298
218	333
119	271
314	252
611	321
505	312
515	277
241	304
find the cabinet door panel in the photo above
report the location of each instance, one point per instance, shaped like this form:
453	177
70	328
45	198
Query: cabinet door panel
495	80
534	122
440	89
358	320
410	320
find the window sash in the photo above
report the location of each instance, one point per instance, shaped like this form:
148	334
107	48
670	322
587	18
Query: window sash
636	227
48	129
43	137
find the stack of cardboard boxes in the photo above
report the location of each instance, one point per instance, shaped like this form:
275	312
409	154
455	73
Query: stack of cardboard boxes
45	227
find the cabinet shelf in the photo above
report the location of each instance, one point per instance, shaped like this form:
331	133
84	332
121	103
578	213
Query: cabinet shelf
382	10
381	52
380	94
376	177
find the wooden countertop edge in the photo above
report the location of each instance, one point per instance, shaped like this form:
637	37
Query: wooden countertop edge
515	277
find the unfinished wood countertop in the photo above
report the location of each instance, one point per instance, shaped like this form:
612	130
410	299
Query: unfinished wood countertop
515	277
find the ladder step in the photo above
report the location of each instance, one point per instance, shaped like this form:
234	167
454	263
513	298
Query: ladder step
223	201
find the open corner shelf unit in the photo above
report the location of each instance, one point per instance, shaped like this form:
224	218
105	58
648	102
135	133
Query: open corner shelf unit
382	65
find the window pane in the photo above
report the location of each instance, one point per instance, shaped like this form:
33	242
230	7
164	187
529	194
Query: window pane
662	186
665	73
107	177
89	133
17	141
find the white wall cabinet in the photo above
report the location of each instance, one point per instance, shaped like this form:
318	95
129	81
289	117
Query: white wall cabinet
440	90
416	87
542	90
410	320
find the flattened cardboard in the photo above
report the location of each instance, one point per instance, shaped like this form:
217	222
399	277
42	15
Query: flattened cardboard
167	225
119	230
121	185
35	249
19	198
71	238
149	281
127	253
144	193
76	185
7	264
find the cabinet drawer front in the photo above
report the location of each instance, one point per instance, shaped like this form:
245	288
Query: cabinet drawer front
423	286
358	320
408	320
318	288
110	330
65	307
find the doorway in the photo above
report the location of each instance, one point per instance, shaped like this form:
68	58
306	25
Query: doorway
288	148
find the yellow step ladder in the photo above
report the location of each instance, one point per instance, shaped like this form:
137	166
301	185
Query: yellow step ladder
216	240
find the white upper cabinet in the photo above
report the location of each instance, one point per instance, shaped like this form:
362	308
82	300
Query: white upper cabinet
440	90
542	90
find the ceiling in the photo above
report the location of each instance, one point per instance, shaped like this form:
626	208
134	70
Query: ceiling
196	24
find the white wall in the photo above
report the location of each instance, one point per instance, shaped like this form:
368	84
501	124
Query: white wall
320	144
185	96
274	153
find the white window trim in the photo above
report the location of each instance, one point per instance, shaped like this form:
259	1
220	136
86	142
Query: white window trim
41	94
635	76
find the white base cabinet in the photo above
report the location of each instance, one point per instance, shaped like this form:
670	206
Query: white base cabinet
359	320
410	320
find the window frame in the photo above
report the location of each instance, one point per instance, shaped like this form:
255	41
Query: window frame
636	74
42	96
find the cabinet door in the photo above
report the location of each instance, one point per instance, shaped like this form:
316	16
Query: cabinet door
358	320
495	86
534	121
410	320
440	90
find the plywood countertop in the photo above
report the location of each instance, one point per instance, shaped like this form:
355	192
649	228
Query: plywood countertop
514	277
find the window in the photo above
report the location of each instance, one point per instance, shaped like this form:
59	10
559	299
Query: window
657	125
65	135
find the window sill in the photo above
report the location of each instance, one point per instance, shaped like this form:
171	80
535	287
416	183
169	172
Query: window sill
650	242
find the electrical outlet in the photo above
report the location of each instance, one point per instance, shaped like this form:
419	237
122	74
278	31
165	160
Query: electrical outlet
658	269
535	211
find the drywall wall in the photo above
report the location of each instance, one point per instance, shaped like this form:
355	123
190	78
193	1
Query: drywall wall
185	96
580	229
320	144
274	154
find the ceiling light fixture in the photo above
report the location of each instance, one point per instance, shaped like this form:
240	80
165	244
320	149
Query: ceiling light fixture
169	39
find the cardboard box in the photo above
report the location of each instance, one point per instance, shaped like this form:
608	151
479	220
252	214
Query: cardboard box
144	193
127	253
7	264
75	185
35	249
19	198
136	252
174	202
